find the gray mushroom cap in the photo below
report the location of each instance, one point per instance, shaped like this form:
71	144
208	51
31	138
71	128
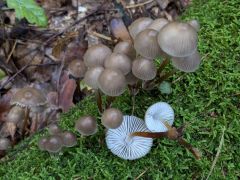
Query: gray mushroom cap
112	118
158	24
15	115
194	23
92	75
125	146
86	125
77	68
54	144
4	143
69	139
42	143
178	39
125	47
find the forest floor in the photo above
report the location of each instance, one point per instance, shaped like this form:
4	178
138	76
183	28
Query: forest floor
207	100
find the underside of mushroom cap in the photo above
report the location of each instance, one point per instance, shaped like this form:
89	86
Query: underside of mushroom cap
178	39
125	146
157	114
187	64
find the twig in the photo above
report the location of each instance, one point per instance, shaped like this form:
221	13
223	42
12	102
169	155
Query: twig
140	175
94	33
139	4
10	54
218	153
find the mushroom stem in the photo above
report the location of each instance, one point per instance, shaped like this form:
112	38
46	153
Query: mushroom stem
99	100
34	124
162	66
78	94
109	102
165	76
189	147
25	122
150	134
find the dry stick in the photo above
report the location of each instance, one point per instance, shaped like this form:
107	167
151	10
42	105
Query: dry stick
218	153
102	36
138	5
10	54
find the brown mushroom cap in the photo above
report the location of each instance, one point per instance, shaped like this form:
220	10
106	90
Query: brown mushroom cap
69	139
131	79
158	24
187	64
144	69
91	76
42	143
118	61
112	118
96	55
119	29
77	68
4	143
15	115
139	25
54	129
146	44
54	144
86	125
126	48
112	82
29	97
178	39
194	23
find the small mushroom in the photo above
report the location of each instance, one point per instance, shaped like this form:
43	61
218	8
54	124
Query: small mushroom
54	129
69	139
178	39
146	44
92	75
4	144
126	48
16	115
187	64
77	69
112	82
96	55
194	23
119	29
144	69
86	125
139	25
54	144
118	61
112	118
121	142
158	24
42	143
131	79
157	114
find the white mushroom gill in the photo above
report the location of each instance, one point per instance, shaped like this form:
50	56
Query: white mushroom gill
157	114
125	146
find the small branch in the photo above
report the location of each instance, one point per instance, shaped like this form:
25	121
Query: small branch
139	4
10	54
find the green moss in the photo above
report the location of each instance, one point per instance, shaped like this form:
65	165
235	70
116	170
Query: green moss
206	100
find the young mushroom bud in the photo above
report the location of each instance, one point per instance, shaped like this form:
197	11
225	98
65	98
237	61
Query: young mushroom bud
157	114
178	39
54	129
117	61
187	64
54	144
86	125
194	23
77	69
69	139
146	44
121	142
126	48
158	24
112	82
112	118
96	55
42	143
4	144
144	69
139	25
92	75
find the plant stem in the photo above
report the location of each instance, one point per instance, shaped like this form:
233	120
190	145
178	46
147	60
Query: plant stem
99	100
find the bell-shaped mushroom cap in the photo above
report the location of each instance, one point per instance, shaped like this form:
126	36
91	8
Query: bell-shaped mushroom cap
157	114
15	115
144	69
54	144
146	44
118	61
158	24
119	29
69	139
125	146
112	82
194	23
131	79
126	48
54	129
96	55
112	118
29	97
91	76
86	125
77	68
42	143
178	39
187	64
4	143
139	25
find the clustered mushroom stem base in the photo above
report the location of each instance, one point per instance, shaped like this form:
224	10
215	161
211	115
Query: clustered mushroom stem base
25	122
109	102
99	100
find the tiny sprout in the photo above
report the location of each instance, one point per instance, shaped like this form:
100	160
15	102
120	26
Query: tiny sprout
112	118
86	125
